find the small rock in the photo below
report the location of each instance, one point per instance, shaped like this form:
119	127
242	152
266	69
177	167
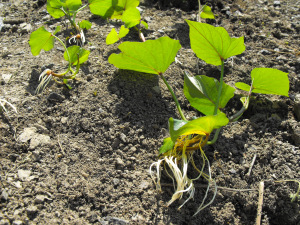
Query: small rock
6	77
119	162
276	3
4	222
25	27
24	175
4	195
18	222
233	171
31	211
123	137
144	185
116	181
27	134
39	199
38	140
54	97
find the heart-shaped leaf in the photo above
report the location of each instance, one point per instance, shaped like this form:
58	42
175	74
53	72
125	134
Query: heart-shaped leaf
202	93
131	17
111	8
113	36
213	44
202	126
207	13
76	53
41	39
267	81
151	56
84	24
54	7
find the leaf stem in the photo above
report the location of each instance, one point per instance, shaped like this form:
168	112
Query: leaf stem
69	68
174	97
220	88
217	104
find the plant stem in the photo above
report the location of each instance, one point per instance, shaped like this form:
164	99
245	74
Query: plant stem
174	97
199	5
69	68
220	88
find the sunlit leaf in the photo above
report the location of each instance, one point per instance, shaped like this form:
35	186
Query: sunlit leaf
84	24
111	8
54	7
41	39
151	56
202	93
202	126
145	24
168	144
267	81
76	53
207	13
131	17
113	36
213	44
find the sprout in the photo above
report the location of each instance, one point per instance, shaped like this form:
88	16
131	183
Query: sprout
44	79
3	102
78	37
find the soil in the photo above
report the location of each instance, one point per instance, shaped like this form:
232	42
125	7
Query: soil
82	156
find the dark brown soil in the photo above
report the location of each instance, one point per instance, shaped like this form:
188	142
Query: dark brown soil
82	156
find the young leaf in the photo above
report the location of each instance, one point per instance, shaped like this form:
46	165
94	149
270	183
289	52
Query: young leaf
41	39
131	17
103	8
202	92
145	24
267	81
168	144
84	24
207	13
111	8
213	44
152	56
113	36
54	7
202	126
75	52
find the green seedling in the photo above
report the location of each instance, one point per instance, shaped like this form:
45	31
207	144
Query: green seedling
204	12
205	94
75	55
124	10
69	9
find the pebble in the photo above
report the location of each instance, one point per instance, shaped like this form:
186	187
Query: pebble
276	3
31	210
36	139
54	97
123	137
39	199
25	27
4	195
4	222
18	222
24	175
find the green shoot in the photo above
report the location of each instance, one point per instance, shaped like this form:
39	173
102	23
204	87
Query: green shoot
75	55
294	197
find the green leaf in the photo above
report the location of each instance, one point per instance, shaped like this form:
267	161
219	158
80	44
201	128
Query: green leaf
41	39
57	29
202	126
113	36
168	144
75	52
213	44
151	56
84	24
145	24
267	81
54	7
111	8
131	17
202	93
207	13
